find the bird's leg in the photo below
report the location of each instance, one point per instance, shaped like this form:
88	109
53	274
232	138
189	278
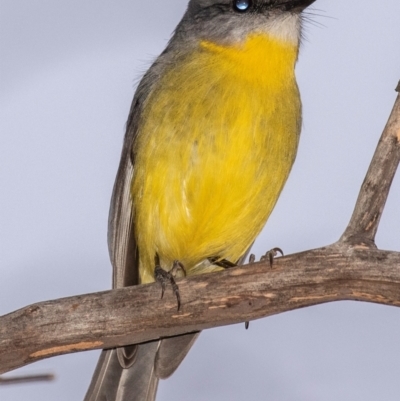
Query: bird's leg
163	277
270	255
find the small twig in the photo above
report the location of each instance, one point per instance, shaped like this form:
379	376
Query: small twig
374	191
26	379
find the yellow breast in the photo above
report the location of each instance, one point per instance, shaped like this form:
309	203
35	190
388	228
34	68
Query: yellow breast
217	140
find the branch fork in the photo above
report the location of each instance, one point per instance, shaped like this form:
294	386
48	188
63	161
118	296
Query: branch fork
350	269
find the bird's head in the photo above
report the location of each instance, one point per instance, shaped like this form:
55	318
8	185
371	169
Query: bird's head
228	22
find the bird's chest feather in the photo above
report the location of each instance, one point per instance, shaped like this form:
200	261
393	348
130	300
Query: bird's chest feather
218	137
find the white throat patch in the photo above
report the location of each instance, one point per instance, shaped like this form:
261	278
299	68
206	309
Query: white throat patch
286	27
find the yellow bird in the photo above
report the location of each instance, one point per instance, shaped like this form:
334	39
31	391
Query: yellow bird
211	138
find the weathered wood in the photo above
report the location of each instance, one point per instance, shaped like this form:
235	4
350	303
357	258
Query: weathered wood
137	314
374	191
351	269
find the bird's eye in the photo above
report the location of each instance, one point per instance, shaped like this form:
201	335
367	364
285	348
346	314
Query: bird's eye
241	5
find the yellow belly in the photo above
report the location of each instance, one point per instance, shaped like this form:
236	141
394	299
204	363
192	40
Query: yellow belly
217	140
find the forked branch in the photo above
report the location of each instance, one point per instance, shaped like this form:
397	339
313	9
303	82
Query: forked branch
352	269
375	188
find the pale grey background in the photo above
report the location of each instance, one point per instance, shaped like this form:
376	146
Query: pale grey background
68	71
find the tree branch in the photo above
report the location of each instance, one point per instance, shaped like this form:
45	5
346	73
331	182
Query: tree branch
375	188
351	269
137	314
26	379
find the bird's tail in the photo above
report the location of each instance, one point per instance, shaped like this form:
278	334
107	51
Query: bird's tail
138	379
112	382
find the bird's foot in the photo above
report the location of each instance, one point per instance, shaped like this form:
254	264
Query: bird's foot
270	255
164	277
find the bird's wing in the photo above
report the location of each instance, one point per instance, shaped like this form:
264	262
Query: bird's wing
121	239
131	373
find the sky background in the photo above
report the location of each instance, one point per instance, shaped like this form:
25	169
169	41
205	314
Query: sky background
68	70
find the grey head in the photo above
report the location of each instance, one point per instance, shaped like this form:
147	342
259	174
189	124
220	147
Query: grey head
230	21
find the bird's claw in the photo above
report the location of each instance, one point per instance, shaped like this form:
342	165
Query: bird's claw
270	255
163	277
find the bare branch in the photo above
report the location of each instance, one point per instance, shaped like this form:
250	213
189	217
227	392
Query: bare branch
137	314
375	188
351	269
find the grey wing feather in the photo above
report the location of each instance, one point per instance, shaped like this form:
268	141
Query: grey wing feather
129	373
121	239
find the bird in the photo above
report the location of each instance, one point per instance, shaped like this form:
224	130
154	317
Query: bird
210	140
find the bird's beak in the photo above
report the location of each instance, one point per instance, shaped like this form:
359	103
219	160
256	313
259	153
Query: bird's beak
292	5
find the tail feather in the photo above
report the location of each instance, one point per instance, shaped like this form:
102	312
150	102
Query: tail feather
111	382
171	352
